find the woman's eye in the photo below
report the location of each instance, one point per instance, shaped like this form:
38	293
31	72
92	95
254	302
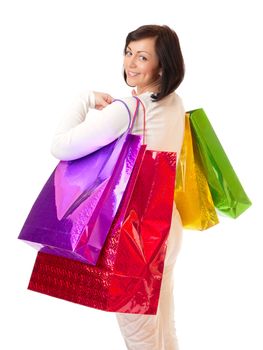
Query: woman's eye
128	53
143	58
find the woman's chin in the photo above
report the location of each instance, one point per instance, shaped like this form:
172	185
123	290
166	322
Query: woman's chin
131	82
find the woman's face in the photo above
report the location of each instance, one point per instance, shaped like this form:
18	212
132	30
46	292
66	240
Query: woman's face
141	65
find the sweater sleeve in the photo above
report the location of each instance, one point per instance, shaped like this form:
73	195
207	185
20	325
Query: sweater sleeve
81	133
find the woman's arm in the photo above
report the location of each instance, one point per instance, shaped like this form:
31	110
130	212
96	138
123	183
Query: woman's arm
80	134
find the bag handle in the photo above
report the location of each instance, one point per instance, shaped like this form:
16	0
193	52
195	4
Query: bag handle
132	119
144	116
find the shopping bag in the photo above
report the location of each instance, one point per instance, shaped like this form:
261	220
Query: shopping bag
227	192
74	211
128	274
192	194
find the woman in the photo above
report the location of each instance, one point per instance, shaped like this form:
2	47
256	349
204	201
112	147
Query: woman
153	64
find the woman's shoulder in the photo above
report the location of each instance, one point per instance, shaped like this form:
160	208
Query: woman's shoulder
171	100
175	101
145	98
173	97
123	104
128	100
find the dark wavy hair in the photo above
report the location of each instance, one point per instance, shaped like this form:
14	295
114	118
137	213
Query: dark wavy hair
169	52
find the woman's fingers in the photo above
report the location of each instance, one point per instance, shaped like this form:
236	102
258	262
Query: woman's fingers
102	100
109	99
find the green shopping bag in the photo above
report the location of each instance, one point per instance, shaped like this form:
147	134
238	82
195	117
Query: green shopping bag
227	192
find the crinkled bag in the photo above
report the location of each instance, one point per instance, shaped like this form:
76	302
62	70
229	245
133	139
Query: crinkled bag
192	194
227	192
75	209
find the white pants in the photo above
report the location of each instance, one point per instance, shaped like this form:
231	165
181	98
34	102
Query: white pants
157	332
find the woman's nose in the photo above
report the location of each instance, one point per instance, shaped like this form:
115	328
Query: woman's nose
132	62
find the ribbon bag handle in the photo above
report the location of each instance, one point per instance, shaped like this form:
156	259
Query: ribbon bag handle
139	101
132	118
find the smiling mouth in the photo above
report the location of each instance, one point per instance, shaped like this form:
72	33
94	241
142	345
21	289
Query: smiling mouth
132	74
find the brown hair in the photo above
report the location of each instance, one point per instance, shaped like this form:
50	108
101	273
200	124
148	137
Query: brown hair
169	52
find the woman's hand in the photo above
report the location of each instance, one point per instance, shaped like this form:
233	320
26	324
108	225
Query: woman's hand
102	100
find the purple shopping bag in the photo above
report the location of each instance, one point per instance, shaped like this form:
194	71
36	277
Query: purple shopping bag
73	213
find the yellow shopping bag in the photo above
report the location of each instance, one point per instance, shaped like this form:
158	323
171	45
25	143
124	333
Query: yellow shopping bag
192	195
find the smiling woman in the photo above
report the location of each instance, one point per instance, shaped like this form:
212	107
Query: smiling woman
154	66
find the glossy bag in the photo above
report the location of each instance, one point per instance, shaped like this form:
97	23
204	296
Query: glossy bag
227	192
192	194
128	275
75	209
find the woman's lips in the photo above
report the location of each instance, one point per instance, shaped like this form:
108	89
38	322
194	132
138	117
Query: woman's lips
132	74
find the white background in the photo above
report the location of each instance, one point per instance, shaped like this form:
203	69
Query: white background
53	50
